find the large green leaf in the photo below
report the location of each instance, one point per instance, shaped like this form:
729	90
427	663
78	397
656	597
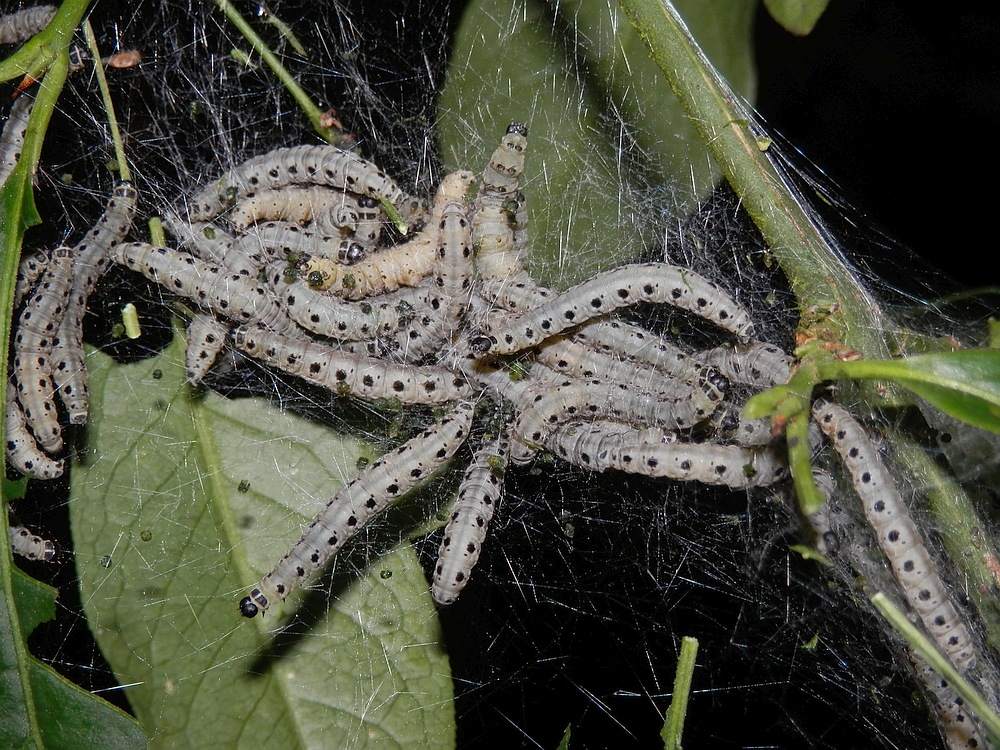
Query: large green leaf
179	507
964	384
570	70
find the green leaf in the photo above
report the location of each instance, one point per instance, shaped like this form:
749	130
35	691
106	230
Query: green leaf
180	508
36	601
964	384
797	16
570	70
72	718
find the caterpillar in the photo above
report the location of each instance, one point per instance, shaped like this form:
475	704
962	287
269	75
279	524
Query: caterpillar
291	241
351	374
21	449
230	295
898	535
330	211
603	445
30	269
202	239
499	209
24	24
31	546
349	510
444	306
204	339
341	319
12	137
753	363
90	259
561	356
478	496
543	407
389	269
608	291
37	328
310	165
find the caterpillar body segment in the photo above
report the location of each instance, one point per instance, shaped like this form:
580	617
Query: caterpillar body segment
389	269
340	319
31	364
90	260
345	373
31	546
21	25
603	445
499	211
301	165
386	480
608	291
204	339
478	496
439	316
898	536
12	136
234	296
22	452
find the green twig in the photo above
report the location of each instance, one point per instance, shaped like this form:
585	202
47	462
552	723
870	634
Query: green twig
673	727
918	641
313	112
109	106
814	268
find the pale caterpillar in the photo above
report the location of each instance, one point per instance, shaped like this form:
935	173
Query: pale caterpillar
349	510
204	338
332	212
230	295
754	363
201	239
22	452
898	536
31	546
90	259
608	291
478	496
291	240
37	328
440	315
12	138
498	208
345	373
30	268
387	270
569	400
543	407
306	165
960	729
609	337
24	24
561	356
603	445
337	318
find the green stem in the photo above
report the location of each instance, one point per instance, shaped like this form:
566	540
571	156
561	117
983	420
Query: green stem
814	269
979	707
673	727
109	106
312	111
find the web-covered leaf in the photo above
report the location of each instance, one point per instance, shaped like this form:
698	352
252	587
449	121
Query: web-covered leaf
183	503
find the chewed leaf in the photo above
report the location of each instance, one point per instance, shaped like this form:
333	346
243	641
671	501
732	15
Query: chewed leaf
964	384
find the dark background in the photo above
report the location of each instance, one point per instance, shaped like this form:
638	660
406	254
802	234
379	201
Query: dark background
899	107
